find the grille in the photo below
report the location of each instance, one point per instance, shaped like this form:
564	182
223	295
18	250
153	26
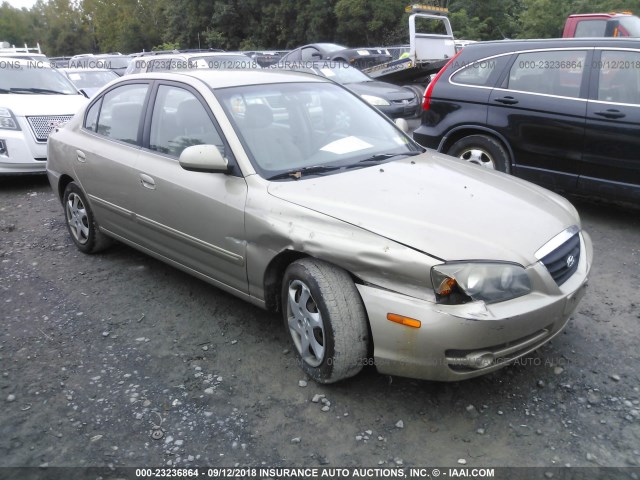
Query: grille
563	261
42	125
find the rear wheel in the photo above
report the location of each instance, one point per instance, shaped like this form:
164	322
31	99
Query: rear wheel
326	320
481	150
81	222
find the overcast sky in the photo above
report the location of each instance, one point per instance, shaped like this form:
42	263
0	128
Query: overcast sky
20	3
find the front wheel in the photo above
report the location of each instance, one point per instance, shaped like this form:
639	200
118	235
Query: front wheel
481	150
81	223
326	320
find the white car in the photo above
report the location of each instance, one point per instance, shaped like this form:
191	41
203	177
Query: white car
34	99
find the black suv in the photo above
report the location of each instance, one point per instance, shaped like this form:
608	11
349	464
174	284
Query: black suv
563	113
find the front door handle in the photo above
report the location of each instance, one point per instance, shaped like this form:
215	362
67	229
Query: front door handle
611	113
506	100
81	156
147	181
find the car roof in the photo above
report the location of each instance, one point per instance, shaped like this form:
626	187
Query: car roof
42	63
232	78
191	55
84	70
504	46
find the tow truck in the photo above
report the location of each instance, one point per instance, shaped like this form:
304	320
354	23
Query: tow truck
26	53
612	24
431	46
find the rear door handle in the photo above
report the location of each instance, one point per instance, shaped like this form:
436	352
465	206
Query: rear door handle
147	181
81	156
610	113
506	100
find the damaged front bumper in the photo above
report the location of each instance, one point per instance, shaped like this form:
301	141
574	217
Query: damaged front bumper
456	342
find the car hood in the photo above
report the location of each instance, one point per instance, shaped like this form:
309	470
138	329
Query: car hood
439	205
381	89
23	105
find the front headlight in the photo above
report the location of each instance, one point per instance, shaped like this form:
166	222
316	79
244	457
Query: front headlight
7	120
377	101
461	282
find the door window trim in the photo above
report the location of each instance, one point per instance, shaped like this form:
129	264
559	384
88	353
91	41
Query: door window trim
100	99
234	168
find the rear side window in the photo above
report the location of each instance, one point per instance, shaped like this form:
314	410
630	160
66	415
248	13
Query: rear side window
477	73
591	28
619	77
119	117
549	72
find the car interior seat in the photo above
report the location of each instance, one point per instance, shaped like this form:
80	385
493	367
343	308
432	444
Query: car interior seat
271	145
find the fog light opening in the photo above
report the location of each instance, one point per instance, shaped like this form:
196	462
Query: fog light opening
402	320
3	148
480	359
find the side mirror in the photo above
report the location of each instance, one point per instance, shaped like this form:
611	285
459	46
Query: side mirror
402	124
203	158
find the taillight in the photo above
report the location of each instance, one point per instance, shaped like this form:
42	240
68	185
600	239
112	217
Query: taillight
426	104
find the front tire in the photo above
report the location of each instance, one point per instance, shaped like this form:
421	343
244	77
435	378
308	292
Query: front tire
326	320
81	223
481	150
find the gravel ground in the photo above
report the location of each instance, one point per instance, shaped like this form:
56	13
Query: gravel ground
119	360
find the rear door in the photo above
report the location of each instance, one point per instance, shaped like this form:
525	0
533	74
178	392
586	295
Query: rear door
107	160
539	107
611	162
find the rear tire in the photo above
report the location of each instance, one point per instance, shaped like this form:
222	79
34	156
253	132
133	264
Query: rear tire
481	150
81	223
326	320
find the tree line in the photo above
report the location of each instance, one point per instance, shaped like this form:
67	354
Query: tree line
67	27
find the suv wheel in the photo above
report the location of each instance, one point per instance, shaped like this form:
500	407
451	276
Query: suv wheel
481	150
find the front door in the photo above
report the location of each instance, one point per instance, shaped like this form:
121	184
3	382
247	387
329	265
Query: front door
193	218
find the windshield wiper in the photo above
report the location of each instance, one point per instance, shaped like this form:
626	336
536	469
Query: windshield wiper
37	90
300	172
380	157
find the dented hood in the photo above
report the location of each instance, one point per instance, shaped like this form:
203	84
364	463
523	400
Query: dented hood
441	206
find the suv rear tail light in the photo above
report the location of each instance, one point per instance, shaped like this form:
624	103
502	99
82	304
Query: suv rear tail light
426	104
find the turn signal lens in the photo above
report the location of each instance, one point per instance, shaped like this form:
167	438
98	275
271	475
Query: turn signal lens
402	320
446	286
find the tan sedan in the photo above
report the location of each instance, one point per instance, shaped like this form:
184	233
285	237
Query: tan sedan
291	192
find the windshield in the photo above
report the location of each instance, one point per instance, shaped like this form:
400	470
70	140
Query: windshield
342	73
91	78
330	47
24	78
293	130
631	25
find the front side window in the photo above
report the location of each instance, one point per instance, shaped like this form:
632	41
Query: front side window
179	121
555	72
121	112
294	130
619	77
